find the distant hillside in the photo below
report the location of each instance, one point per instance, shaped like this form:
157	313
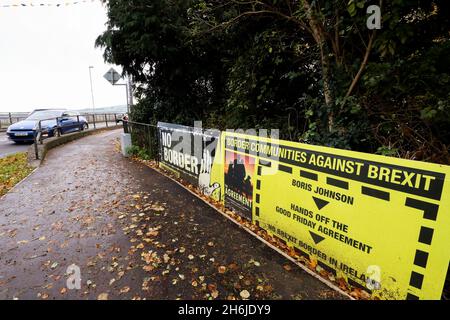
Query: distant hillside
113	109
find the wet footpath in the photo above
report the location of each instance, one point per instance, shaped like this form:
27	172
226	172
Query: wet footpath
91	224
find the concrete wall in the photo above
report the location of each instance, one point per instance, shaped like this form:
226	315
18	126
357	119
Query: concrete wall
51	143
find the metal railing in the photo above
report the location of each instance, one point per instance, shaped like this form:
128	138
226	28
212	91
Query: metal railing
144	136
100	118
9	118
97	121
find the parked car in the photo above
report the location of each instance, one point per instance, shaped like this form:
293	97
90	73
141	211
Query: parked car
121	118
54	122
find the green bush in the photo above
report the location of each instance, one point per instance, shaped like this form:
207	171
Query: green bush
139	152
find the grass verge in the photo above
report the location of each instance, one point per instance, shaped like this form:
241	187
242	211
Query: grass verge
13	169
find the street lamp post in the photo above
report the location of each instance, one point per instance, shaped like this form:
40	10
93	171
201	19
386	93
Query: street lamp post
92	89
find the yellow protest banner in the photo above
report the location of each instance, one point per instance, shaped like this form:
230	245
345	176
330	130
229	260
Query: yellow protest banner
381	223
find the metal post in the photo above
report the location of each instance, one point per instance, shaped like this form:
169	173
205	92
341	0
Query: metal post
106	120
36	151
126	89
93	117
128	99
130	88
40	132
92	90
38	138
158	152
149	134
125	126
10	118
115	118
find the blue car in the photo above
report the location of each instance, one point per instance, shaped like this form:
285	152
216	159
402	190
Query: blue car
53	124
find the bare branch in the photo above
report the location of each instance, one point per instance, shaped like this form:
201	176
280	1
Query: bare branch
363	64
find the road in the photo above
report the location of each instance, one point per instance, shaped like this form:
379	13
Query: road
133	234
8	147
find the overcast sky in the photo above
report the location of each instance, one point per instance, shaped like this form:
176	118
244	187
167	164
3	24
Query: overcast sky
45	54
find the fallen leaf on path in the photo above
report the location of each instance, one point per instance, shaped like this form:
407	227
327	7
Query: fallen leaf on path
166	258
102	296
125	289
157	208
313	264
153	233
244	294
148	268
222	269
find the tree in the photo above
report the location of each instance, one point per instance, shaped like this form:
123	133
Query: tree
310	68
150	40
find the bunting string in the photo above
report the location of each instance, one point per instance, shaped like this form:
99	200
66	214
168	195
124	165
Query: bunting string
43	4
